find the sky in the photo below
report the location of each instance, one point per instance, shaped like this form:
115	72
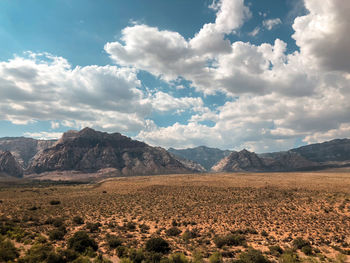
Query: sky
262	75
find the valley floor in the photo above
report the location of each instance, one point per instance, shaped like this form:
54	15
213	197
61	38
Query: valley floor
286	216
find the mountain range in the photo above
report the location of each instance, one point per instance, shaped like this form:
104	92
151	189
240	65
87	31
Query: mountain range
90	151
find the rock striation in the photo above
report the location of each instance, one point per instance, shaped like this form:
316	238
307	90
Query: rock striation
90	151
240	161
205	156
24	149
9	166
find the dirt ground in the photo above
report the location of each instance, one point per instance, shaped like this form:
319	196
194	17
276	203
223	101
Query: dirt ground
265	209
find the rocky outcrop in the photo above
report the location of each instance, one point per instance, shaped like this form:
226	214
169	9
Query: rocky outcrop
90	151
202	155
332	151
287	161
24	149
240	161
249	161
190	164
9	166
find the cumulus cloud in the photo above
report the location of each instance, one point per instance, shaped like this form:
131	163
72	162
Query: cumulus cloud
275	98
44	87
43	135
271	23
322	35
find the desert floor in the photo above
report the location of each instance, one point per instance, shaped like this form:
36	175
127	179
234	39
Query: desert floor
192	212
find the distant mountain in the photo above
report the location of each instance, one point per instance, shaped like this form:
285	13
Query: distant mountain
240	161
336	150
189	164
203	155
250	161
24	149
9	166
89	151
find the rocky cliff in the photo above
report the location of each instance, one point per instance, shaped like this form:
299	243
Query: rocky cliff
240	161
202	155
24	149
89	151
9	166
336	150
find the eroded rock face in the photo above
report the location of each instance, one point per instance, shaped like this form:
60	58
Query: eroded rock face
288	161
89	151
24	149
240	161
9	166
202	155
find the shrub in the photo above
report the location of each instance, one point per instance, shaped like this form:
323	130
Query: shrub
78	220
229	240
136	256
307	250
93	227
38	253
122	251
113	241
158	245
130	226
173	231
264	233
8	251
299	243
253	256
81	241
197	257
55	202
215	258
276	250
289	257
178	258
56	234
57	222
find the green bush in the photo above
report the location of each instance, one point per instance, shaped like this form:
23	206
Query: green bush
38	253
7	251
78	220
113	241
122	252
229	240
299	243
56	234
158	245
215	258
81	241
173	231
178	258
289	257
253	256
57	222
93	227
307	250
275	250
136	256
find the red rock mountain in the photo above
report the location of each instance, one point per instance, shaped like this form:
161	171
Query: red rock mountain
9	166
89	151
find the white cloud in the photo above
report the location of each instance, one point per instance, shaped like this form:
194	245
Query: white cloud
323	34
44	87
254	32
271	23
43	135
276	98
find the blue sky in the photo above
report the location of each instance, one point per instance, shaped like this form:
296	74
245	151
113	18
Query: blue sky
230	73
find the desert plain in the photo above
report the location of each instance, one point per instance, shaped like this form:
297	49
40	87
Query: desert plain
288	217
